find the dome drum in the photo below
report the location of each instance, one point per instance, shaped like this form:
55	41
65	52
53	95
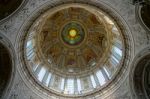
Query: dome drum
74	50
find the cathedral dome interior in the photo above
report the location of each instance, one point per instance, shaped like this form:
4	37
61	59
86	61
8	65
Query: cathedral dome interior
76	44
74	49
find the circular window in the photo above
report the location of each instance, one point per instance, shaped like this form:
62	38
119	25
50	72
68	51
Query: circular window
74	49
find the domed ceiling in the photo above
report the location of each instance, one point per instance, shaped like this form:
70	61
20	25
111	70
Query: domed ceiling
73	40
74	49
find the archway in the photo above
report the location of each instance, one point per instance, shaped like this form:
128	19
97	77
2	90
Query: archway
140	75
5	68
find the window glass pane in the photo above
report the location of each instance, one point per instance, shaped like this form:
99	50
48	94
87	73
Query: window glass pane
93	81
29	52
101	78
107	72
29	43
62	84
30	56
79	85
117	50
70	86
118	43
29	47
41	74
114	61
117	57
48	79
35	67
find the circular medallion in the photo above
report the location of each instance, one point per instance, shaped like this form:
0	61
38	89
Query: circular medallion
72	34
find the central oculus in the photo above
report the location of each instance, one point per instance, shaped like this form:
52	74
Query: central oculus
72	33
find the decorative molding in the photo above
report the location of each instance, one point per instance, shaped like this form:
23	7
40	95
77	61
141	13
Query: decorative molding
139	18
5	41
140	56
